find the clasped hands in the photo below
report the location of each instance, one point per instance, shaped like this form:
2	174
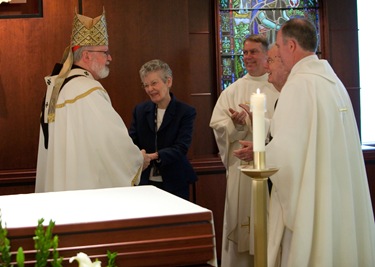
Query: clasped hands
147	158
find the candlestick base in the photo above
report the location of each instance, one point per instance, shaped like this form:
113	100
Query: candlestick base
259	185
258	174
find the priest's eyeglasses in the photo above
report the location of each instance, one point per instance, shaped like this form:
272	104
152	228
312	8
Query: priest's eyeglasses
106	53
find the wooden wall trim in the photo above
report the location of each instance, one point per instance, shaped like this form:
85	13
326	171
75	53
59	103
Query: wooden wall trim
353	88
205	165
8	177
369	155
20	181
208	165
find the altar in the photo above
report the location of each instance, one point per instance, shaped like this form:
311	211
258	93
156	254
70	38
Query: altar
146	226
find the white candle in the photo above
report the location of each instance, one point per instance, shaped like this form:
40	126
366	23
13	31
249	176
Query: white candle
258	108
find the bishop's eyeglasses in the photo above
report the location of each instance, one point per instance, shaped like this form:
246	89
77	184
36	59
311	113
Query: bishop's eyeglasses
106	53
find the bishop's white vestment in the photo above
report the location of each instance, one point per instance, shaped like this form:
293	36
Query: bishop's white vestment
320	198
238	229
88	143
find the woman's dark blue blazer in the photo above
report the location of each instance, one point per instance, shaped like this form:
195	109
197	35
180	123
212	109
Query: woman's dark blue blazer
173	141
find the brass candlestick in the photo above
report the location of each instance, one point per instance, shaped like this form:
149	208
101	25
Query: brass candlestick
259	175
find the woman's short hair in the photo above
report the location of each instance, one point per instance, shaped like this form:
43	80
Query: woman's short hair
156	65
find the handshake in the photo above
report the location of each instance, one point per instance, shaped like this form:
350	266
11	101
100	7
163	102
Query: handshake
147	158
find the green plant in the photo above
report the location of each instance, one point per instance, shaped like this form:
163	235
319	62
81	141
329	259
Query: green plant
111	259
5	258
20	257
45	244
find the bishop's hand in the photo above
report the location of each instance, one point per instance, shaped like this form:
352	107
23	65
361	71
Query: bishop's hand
146	159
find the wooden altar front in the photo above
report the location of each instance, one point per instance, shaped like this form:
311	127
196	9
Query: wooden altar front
144	225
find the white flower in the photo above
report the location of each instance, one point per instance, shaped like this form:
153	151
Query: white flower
5	1
84	260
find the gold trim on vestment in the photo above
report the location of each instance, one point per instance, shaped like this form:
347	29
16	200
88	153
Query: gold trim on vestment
67	65
71	101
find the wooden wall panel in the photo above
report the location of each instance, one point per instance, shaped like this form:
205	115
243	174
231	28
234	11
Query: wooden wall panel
341	46
29	47
202	74
201	89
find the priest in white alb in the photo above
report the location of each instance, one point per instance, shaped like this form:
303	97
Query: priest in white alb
320	210
230	124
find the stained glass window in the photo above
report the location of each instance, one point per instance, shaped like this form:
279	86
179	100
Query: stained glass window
240	18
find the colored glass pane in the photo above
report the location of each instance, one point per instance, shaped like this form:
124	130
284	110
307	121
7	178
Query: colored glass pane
240	18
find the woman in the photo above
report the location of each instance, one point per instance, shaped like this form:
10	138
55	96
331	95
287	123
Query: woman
163	126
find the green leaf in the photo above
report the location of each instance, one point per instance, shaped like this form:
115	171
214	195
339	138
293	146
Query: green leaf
5	258
20	257
111	258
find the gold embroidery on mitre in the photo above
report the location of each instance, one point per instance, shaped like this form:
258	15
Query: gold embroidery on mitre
88	31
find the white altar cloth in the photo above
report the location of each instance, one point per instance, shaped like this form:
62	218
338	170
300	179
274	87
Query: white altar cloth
98	205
